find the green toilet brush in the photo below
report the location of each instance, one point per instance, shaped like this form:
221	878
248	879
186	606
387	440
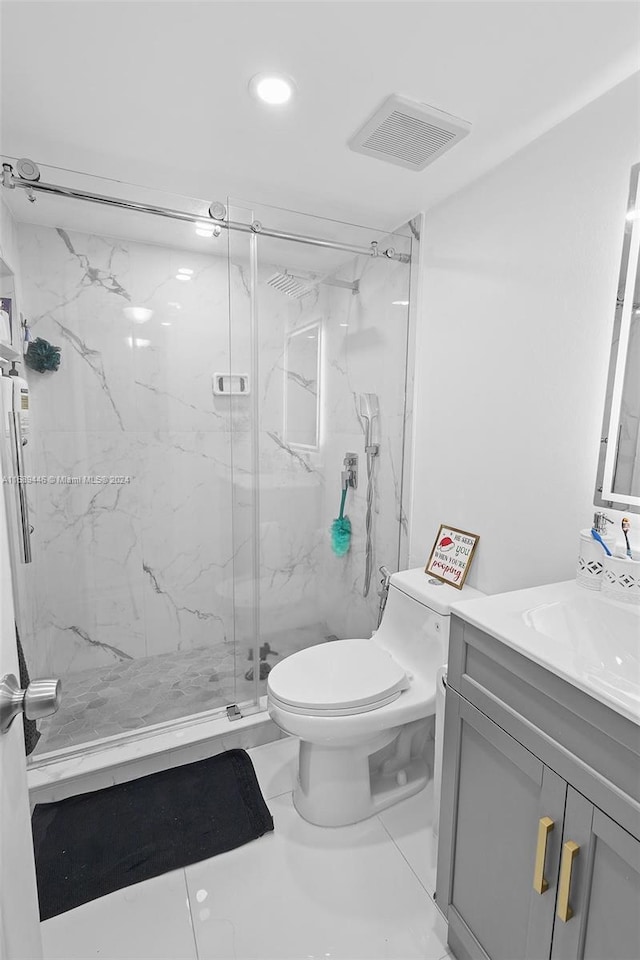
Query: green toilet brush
341	530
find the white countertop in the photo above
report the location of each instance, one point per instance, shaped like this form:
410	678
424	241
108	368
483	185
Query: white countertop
587	639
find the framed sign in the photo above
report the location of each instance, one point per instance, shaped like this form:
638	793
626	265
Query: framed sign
451	555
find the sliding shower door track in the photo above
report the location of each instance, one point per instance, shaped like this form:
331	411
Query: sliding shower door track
71	771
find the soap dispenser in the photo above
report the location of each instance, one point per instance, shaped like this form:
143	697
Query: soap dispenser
600	521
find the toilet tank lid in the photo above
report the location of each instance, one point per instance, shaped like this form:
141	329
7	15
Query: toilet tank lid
436	595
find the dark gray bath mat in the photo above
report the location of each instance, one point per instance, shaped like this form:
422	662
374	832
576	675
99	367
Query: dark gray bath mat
93	844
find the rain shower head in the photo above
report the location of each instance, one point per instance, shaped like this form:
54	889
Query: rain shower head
298	286
292	286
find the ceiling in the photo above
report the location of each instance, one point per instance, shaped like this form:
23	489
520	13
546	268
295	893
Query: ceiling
156	93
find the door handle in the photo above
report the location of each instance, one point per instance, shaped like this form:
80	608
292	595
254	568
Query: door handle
545	826
570	851
40	699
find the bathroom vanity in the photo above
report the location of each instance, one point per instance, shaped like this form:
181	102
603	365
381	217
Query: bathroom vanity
539	852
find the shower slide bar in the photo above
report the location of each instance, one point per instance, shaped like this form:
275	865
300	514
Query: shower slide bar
10	181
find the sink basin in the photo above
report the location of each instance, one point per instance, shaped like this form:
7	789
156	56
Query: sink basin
604	636
589	640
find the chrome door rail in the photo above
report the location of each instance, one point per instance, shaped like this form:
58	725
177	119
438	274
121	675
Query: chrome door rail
10	181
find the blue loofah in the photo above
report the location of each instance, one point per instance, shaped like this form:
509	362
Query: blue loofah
341	536
341	531
42	356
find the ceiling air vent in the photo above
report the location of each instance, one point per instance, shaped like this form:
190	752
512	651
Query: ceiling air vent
409	134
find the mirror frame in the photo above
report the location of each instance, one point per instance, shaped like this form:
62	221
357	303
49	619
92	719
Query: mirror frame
604	495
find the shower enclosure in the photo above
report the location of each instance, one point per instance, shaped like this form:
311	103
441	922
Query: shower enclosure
185	459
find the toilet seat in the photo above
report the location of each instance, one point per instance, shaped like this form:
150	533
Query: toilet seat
339	678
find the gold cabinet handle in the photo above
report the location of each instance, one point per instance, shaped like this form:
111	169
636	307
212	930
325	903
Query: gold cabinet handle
570	851
545	826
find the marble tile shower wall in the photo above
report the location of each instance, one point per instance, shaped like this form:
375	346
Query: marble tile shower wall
364	349
127	570
367	356
147	567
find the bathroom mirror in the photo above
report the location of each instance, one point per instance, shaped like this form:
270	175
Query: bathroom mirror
618	479
302	386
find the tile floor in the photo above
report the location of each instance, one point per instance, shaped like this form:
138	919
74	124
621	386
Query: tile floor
362	892
104	701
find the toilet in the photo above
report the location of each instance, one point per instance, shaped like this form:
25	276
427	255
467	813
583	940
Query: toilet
362	709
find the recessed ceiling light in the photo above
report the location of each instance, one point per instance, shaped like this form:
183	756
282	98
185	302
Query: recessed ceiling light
165	323
187	270
137	342
272	88
634	214
400	303
182	276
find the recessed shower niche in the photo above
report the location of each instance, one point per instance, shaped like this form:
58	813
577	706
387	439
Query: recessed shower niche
302	386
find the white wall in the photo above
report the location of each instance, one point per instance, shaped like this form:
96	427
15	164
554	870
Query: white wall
518	291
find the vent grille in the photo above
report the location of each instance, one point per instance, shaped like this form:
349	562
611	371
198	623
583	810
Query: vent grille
409	134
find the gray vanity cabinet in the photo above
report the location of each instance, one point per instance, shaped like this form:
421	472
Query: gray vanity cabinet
503	792
604	894
539	853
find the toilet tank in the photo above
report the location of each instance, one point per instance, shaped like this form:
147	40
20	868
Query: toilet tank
415	625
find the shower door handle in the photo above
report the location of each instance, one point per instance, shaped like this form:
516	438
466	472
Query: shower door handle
18	441
40	699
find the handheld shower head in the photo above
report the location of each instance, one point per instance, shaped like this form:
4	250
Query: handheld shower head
369	410
369	407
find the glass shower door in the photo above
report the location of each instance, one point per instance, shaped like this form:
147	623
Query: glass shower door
318	328
127	594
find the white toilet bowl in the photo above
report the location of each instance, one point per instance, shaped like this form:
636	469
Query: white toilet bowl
362	708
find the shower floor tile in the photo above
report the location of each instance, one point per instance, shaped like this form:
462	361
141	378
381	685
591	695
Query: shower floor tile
131	694
104	701
303	891
282	645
